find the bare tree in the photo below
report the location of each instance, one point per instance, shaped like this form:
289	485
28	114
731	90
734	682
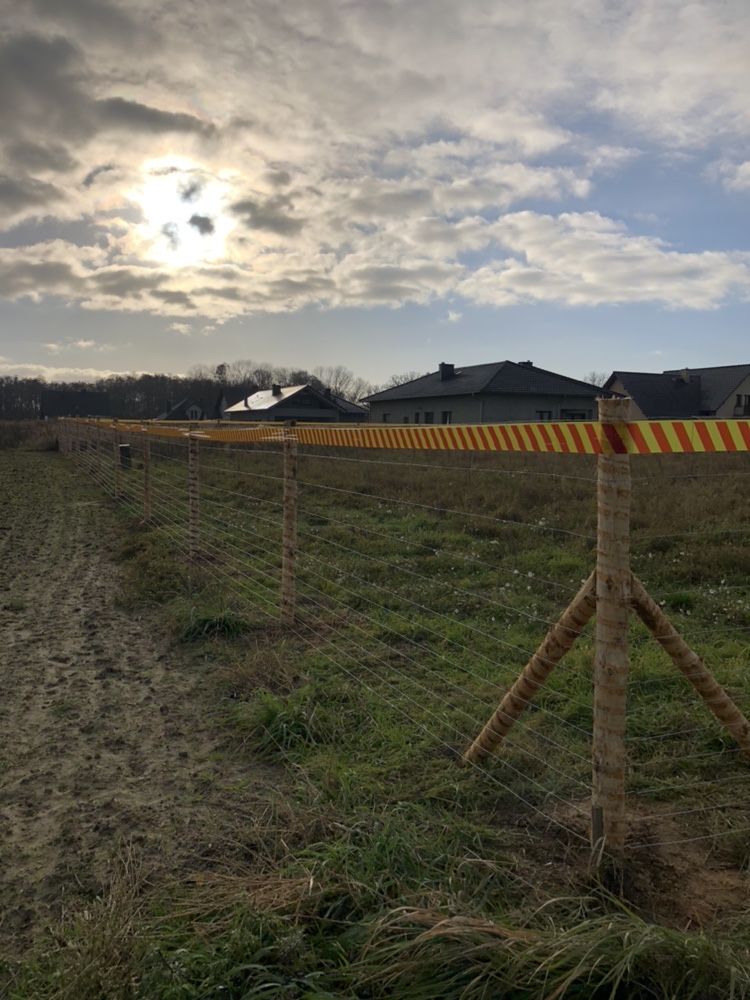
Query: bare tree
402	378
595	378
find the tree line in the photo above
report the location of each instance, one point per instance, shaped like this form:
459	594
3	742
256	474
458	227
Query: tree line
145	396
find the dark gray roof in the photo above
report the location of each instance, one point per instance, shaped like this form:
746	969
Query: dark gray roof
659	394
717	383
681	392
500	377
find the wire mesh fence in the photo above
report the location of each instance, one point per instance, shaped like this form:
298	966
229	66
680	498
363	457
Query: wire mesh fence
428	580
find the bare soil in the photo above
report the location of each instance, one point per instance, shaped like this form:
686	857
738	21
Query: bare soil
106	738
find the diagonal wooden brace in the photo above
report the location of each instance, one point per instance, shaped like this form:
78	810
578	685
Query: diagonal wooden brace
557	642
690	665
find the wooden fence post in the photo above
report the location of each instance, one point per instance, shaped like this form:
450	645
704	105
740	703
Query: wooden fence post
116	456
147	505
193	498
557	642
611	659
289	528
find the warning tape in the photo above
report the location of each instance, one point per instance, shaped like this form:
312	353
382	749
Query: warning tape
640	437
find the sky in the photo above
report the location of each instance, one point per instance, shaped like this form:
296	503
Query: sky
373	183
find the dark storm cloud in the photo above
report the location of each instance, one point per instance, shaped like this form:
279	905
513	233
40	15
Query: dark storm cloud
17	194
116	112
91	176
270	215
37	156
202	223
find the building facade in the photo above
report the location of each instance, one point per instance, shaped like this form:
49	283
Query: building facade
494	393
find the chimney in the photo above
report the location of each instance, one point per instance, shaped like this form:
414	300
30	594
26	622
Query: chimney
446	371
685	375
275	389
327	392
526	364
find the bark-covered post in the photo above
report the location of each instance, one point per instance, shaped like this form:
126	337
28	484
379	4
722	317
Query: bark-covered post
116	456
558	641
611	660
193	497
691	666
289	528
147	504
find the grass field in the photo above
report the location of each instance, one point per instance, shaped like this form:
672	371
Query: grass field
386	869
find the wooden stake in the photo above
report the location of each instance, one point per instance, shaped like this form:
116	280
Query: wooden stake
558	641
147	505
690	665
611	660
116	455
193	498
289	536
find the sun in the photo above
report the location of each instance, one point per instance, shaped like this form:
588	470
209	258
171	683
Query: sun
184	210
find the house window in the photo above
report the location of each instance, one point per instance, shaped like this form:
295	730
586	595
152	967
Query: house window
429	417
194	413
575	414
386	417
416	418
446	417
544	414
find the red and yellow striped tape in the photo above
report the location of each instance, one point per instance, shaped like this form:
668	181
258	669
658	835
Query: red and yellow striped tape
640	437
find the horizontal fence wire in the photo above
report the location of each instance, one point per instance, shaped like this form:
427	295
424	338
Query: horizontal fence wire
399	594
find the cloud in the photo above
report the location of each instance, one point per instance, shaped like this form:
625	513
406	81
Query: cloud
202	223
45	157
586	260
26	369
398	154
92	175
734	176
119	113
19	194
270	214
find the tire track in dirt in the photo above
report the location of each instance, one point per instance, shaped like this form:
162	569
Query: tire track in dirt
104	738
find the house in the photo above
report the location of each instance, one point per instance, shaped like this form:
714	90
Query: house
74	403
492	393
297	402
195	408
722	391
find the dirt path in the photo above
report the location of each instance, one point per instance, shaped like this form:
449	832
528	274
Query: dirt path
104	739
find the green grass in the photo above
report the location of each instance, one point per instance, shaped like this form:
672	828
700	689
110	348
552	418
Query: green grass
390	870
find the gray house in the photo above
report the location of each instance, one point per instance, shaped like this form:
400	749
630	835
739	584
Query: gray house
297	402
723	391
479	394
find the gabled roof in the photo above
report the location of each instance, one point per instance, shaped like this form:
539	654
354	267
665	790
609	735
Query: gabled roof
265	399
660	394
210	406
717	383
681	392
499	377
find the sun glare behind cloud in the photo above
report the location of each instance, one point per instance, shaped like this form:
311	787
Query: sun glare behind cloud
184	211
